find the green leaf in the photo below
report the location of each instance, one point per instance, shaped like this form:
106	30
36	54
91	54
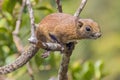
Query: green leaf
44	8
75	67
52	60
38	60
36	1
2	23
88	71
8	5
3	29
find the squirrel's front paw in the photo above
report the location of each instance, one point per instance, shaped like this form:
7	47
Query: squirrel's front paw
33	40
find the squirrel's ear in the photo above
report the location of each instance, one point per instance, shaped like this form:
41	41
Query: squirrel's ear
80	24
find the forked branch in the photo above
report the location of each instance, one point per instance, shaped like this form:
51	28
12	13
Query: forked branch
33	38
59	6
62	75
27	55
20	61
80	8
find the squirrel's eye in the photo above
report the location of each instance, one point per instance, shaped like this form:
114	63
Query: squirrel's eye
88	28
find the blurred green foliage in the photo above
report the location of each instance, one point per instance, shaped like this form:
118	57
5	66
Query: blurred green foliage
87	70
86	61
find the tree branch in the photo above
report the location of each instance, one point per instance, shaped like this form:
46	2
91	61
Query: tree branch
33	38
21	60
18	22
59	6
79	10
27	55
30	70
62	75
50	46
17	39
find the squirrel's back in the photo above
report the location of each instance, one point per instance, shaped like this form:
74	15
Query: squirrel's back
66	28
59	24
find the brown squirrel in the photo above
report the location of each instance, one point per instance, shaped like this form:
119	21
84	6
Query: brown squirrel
66	28
57	27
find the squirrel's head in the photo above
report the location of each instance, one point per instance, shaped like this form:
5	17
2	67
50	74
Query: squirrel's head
88	29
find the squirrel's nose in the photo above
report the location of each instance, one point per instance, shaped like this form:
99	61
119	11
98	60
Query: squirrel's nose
98	35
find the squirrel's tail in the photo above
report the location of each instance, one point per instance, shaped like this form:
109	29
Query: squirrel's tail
21	60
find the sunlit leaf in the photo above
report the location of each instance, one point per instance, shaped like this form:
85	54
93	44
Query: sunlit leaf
76	66
98	69
88	71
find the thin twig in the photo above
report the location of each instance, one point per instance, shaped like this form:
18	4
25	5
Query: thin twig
59	6
79	10
17	39
30	70
18	22
1	1
33	38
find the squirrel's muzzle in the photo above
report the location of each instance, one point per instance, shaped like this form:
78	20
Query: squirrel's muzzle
96	35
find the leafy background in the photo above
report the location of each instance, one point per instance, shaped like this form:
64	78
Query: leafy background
91	60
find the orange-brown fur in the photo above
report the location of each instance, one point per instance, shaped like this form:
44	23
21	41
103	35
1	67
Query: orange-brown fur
65	28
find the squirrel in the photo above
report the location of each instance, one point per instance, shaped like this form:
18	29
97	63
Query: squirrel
65	28
59	28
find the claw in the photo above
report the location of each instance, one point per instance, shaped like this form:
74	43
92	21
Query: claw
62	49
45	54
33	40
